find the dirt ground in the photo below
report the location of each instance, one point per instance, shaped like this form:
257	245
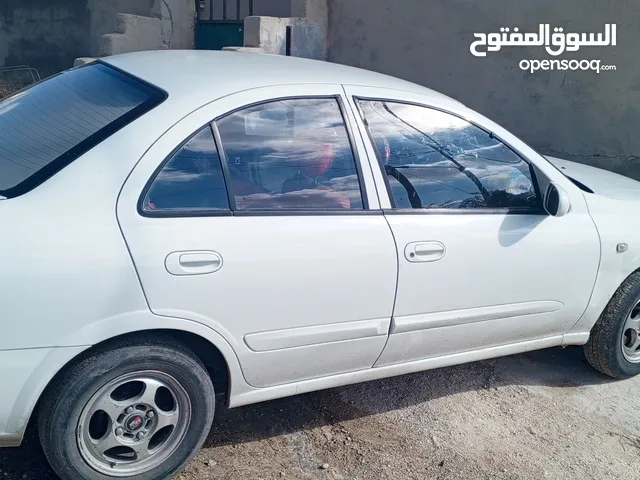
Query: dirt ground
539	415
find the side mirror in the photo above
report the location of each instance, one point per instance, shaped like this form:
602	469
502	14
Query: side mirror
556	201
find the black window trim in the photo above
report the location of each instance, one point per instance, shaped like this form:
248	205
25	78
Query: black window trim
224	165
449	211
157	97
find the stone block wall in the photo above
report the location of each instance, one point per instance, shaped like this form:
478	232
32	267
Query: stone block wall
133	33
308	25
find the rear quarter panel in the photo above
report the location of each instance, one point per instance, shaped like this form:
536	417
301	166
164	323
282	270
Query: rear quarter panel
66	278
65	264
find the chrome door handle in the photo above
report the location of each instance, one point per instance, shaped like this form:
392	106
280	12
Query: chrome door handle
418	252
193	262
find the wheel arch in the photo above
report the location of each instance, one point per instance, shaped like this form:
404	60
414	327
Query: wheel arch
205	350
210	347
602	295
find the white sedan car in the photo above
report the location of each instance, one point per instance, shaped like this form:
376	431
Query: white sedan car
184	226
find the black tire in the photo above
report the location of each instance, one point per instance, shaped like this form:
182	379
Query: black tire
64	401
604	349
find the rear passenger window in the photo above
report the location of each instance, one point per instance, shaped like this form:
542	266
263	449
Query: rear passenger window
191	180
290	155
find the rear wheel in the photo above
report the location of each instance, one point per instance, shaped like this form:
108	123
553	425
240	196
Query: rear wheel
614	345
134	410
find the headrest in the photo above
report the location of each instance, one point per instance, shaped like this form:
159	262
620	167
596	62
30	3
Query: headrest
313	162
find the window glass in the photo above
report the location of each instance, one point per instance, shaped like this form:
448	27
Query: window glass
291	154
436	160
59	119
191	180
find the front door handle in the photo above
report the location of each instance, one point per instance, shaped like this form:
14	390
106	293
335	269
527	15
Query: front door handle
418	252
199	262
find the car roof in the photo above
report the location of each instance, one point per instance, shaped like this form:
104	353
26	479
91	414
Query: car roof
208	75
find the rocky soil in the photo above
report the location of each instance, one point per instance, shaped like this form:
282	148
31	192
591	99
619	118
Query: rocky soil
543	415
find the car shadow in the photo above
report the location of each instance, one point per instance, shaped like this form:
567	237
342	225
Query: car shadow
557	367
561	368
516	227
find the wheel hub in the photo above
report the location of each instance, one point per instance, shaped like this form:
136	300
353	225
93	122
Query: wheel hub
139	424
133	423
631	336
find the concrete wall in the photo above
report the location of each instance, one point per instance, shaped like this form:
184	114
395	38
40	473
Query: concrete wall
177	19
44	34
104	16
178	23
133	33
580	116
270	35
308	22
50	34
313	10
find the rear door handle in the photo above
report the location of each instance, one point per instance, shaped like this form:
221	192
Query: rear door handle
418	252
199	262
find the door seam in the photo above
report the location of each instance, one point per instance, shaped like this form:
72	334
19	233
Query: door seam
395	296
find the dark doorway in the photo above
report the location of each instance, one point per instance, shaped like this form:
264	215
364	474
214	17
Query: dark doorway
220	23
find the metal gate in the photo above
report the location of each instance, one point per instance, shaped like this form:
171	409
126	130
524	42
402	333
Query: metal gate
219	25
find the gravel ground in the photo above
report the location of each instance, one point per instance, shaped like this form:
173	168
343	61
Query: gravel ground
539	415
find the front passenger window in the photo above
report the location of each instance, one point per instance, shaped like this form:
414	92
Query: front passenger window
434	160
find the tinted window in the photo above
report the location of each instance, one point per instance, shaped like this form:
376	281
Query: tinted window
436	160
47	126
290	154
191	180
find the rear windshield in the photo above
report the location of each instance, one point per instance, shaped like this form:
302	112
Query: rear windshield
49	125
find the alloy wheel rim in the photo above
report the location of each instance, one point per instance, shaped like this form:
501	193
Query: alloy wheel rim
133	423
631	335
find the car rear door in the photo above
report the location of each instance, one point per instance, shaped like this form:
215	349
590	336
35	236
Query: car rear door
481	264
254	216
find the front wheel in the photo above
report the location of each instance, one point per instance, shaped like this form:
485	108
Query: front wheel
134	410
614	345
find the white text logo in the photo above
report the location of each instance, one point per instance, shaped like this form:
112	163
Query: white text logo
556	43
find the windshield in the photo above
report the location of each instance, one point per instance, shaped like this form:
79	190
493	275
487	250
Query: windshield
47	126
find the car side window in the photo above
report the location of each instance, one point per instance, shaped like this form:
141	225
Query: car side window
435	160
292	154
191	180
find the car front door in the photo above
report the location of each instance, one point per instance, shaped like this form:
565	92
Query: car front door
253	216
481	264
